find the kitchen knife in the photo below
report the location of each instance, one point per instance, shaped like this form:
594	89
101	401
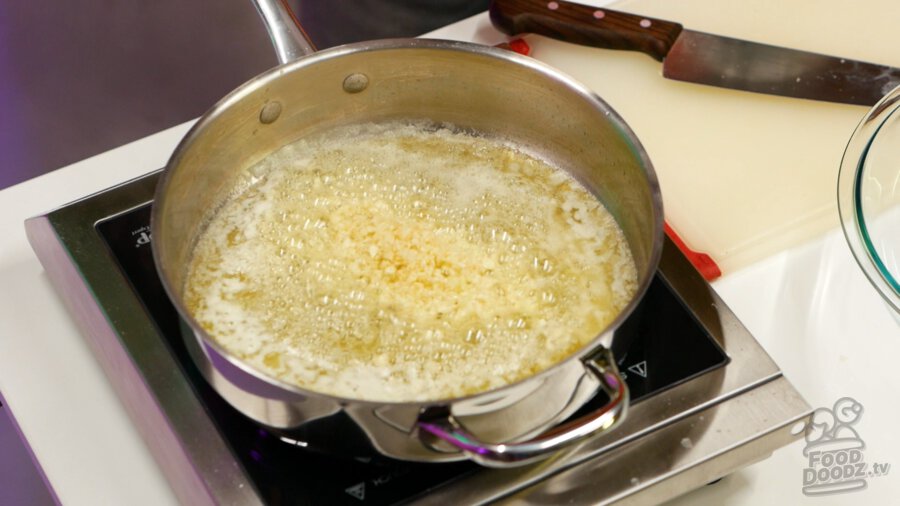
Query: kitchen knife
702	57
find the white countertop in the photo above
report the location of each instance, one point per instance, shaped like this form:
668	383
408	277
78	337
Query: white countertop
810	307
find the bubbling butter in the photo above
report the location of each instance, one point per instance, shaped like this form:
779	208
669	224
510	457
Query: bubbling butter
396	262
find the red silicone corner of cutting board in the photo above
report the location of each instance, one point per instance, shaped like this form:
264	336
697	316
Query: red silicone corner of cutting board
516	46
701	261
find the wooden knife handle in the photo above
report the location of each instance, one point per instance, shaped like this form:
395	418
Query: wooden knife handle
582	24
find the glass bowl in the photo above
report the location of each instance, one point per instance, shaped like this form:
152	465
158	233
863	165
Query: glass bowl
869	197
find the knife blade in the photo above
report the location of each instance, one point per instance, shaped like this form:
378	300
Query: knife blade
699	57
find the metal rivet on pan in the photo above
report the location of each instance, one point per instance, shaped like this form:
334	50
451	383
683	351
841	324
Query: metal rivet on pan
355	83
270	112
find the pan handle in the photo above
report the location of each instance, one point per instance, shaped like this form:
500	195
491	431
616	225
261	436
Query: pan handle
602	365
288	37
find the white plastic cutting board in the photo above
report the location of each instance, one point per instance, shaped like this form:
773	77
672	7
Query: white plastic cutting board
743	175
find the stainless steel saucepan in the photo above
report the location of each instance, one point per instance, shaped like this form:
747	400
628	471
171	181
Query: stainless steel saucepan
492	91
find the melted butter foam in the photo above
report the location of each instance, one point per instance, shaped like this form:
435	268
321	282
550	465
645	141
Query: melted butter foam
396	263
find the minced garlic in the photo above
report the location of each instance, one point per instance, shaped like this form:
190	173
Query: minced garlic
400	263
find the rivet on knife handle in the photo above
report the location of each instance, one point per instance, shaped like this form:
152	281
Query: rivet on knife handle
581	24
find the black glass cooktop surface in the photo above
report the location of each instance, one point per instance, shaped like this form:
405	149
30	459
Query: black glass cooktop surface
669	347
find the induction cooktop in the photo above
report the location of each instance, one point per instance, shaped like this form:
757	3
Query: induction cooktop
706	399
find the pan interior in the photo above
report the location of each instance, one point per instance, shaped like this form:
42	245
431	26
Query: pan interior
486	91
